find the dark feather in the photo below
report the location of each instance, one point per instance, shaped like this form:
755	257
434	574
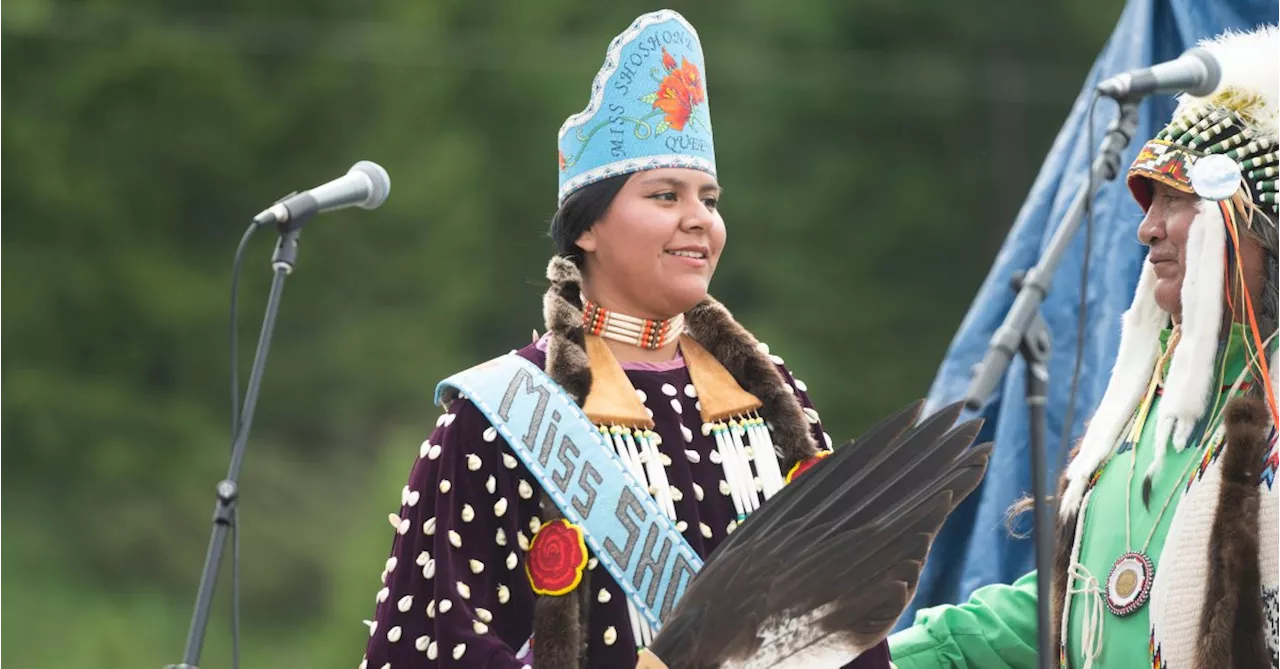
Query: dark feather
822	480
831	561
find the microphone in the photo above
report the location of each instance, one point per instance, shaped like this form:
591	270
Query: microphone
1196	71
365	185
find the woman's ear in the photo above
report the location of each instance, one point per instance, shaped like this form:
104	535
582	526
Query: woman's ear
587	240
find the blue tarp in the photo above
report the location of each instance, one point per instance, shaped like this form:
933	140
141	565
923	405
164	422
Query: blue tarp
975	547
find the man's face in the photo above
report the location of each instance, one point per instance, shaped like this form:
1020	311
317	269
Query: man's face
1164	230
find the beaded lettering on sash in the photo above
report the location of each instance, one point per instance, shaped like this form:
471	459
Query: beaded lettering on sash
587	481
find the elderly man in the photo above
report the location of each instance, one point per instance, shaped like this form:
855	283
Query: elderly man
1167	535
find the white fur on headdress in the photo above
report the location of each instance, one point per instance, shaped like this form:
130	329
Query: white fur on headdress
1250	84
1250	87
1136	359
1189	387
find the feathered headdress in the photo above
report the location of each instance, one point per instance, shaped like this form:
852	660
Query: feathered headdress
1221	147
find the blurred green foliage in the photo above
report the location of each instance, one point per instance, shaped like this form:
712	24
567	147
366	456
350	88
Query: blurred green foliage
873	155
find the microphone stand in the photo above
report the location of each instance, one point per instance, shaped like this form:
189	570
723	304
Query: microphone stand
282	262
1024	332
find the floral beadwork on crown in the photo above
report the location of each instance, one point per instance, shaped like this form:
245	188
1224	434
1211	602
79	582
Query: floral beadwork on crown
679	93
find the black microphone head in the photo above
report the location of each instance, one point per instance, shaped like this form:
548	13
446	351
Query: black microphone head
379	183
1213	71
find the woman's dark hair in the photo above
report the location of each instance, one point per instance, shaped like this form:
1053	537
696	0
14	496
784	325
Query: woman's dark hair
579	212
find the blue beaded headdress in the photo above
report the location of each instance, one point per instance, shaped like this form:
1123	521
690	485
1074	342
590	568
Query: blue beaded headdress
648	107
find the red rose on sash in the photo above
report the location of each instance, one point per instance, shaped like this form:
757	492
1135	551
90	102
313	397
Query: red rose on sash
557	557
804	465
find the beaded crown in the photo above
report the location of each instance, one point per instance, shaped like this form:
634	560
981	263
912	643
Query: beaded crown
648	107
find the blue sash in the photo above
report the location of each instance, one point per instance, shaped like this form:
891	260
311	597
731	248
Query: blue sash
627	532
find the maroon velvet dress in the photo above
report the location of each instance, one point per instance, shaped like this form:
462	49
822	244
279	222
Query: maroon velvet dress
455	592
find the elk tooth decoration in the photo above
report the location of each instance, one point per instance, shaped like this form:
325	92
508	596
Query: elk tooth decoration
743	444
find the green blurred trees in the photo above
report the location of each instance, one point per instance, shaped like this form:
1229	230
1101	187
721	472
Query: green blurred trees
873	154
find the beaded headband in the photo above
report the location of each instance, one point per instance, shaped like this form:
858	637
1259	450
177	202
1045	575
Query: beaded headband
1170	158
1225	141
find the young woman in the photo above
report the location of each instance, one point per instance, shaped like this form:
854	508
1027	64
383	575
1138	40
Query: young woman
485	569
